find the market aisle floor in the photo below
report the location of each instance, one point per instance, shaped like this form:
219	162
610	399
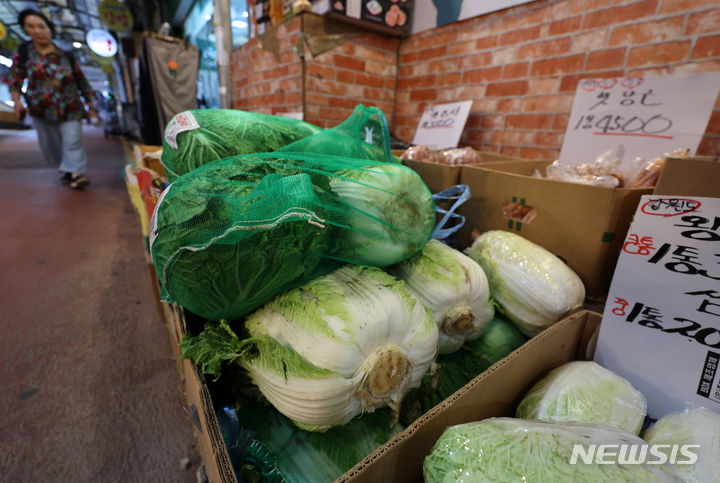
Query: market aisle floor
88	385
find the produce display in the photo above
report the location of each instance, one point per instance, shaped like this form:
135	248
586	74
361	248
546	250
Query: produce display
454	287
197	137
452	156
229	235
695	426
533	287
587	392
507	449
343	344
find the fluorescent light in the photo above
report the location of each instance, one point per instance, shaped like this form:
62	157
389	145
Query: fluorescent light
239	24
5	61
208	17
245	14
77	45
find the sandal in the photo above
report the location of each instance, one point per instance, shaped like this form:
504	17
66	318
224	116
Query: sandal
78	181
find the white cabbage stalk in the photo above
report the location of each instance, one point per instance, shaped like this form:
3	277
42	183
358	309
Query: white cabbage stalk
692	426
507	449
585	392
454	287
391	213
533	287
352	341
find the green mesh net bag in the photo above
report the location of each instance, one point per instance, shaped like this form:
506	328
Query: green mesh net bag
364	134
230	235
194	138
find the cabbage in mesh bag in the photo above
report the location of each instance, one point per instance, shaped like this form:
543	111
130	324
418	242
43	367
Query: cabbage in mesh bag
229	235
194	138
506	449
364	134
584	391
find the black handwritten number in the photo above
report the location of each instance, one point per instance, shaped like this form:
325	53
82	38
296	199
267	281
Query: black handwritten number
663	124
687	330
604	123
650	324
628	126
704	337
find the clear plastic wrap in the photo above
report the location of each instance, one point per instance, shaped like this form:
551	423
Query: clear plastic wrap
584	391
452	156
694	426
599	173
506	449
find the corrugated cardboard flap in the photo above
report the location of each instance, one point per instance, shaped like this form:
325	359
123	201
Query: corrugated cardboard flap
495	392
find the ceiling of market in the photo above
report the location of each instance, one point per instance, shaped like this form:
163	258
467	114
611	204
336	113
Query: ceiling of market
72	19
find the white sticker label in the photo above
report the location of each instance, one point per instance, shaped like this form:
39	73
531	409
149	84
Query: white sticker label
153	219
185	121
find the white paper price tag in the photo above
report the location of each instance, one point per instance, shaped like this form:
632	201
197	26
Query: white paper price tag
441	125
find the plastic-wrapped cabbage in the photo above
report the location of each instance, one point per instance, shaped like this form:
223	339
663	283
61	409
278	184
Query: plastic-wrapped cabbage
533	287
228	236
696	426
586	392
343	344
194	138
454	287
506	449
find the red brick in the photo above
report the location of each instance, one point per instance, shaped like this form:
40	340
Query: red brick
505	89
565	25
489	42
321	71
550	139
376	55
559	65
435	53
482	75
621	14
293	98
509	151
343	102
417	82
276	73
539	50
390	84
647	32
606	59
709	146
346	62
560	121
325	86
529	121
345	76
552	103
569	82
685	5
476	60
333	113
378	94
533	15
405	71
409	58
658	54
513	71
492	122
369	80
706	47
543	85
316	99
423	95
381	41
450	79
461	48
518	36
713	126
509	105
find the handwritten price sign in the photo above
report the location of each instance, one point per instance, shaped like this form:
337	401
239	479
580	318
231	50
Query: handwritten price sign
638	116
665	300
441	125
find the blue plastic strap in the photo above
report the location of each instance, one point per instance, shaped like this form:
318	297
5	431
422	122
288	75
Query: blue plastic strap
460	193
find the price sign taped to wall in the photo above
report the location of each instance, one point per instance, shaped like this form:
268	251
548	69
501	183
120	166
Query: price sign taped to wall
441	125
661	325
638	116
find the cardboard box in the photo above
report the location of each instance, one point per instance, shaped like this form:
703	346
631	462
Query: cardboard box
496	392
695	176
584	225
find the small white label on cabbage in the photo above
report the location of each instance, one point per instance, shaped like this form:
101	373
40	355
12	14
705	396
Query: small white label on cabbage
638	116
441	126
185	121
661	325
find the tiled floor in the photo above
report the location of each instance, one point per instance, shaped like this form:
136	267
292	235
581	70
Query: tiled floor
88	385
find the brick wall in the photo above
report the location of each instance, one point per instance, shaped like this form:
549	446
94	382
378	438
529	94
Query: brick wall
521	66
326	87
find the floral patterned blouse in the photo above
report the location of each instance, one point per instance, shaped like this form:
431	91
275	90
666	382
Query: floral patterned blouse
52	90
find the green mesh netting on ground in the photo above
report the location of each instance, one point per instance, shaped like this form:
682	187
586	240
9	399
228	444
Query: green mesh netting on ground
364	134
197	137
228	236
